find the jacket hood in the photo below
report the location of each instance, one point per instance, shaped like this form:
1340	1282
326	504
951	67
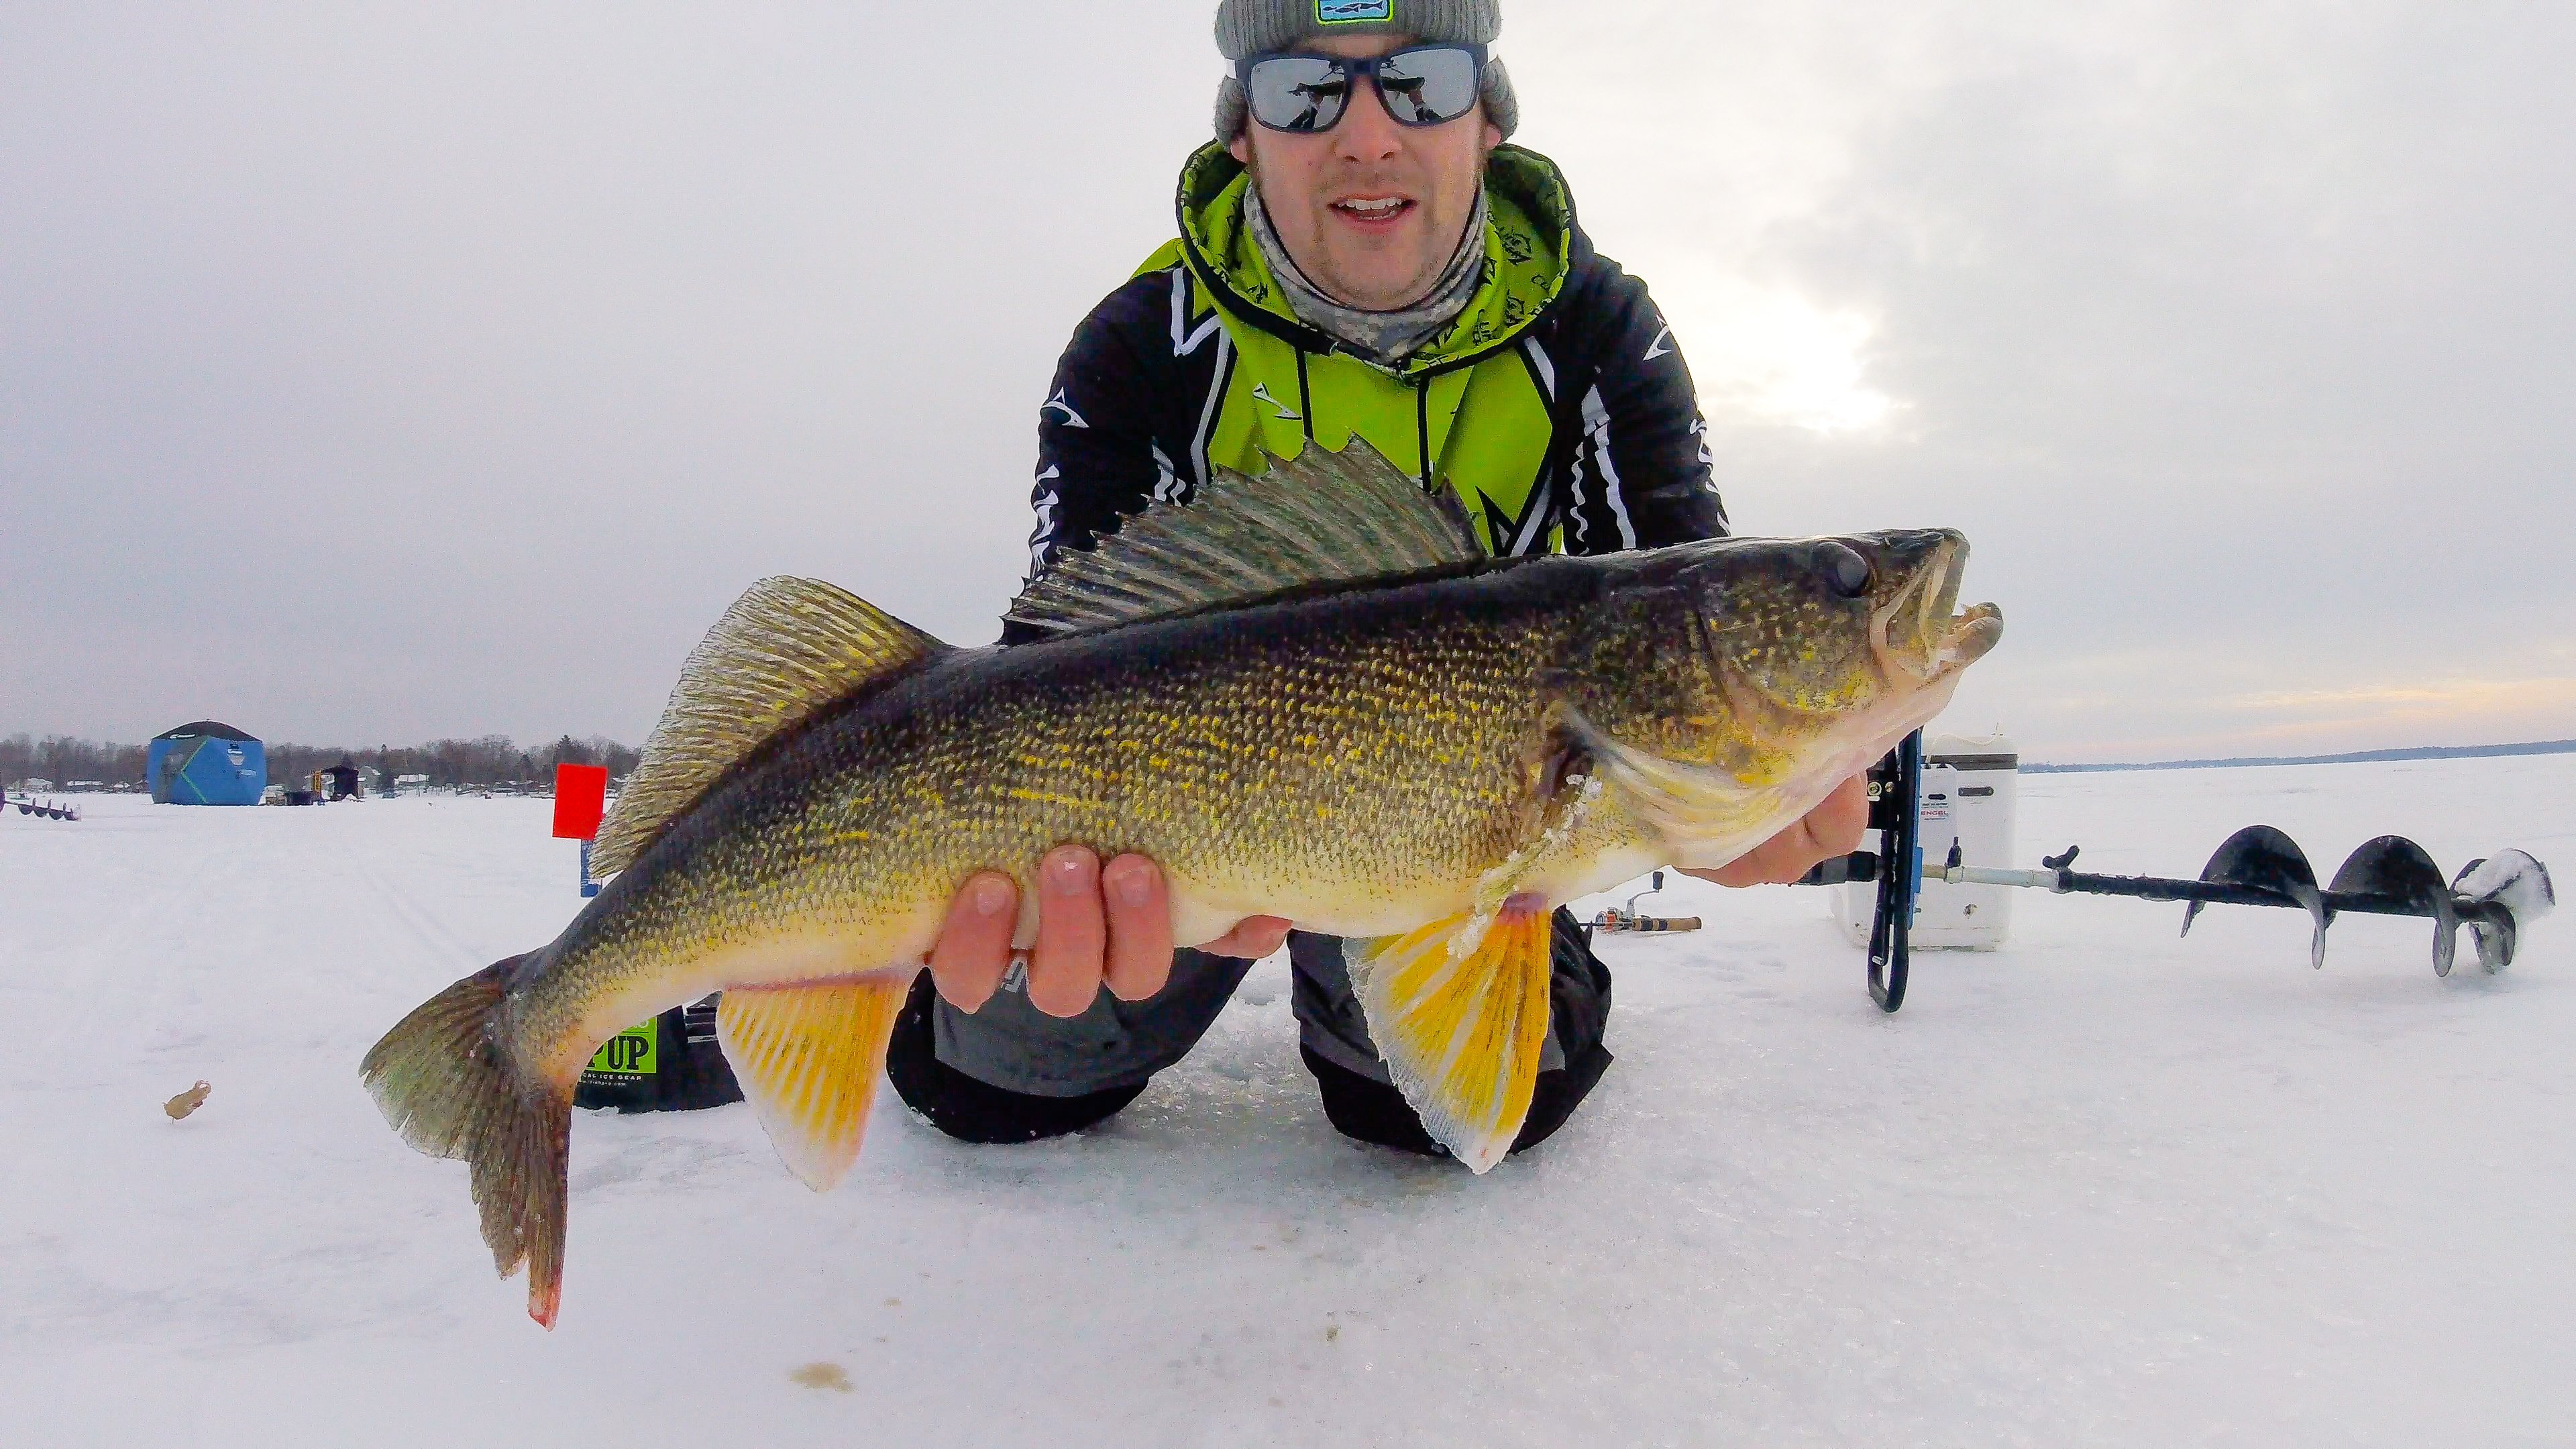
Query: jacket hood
1531	246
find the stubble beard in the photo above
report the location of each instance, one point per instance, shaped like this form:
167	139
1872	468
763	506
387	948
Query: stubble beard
1315	256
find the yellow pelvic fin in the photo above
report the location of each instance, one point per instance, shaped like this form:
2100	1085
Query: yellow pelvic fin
808	1058
1458	1008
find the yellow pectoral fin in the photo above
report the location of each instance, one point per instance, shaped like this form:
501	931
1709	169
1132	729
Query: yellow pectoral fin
1460	1022
808	1058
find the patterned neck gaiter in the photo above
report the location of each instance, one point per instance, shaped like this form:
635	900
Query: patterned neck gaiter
1385	338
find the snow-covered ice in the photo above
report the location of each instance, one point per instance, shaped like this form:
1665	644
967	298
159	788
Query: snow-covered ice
2101	1187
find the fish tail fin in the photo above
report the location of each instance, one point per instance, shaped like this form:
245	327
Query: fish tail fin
1461	1019
447	1082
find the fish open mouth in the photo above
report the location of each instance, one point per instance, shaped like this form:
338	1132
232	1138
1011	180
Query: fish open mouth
1918	633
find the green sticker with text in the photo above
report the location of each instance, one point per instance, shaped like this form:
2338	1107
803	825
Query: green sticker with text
631	1053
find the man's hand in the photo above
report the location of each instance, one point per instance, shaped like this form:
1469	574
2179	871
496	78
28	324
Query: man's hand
1097	926
1832	828
1112	926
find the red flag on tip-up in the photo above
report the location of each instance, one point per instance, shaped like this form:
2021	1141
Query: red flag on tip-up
581	799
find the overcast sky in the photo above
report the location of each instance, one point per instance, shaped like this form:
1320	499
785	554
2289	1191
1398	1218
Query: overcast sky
376	372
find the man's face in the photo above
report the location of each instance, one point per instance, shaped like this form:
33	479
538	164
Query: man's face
1370	211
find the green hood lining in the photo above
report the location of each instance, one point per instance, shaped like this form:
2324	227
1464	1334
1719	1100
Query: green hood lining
1530	250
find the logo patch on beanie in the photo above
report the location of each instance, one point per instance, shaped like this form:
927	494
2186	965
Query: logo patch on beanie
1351	12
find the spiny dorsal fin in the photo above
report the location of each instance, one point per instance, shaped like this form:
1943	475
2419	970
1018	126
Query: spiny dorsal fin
784	650
1322	518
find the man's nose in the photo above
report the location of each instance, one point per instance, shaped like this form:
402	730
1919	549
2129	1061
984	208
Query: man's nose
1369	132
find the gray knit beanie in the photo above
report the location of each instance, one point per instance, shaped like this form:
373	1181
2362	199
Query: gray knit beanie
1256	27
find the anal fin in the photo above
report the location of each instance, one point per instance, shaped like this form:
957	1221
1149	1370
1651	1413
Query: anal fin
808	1058
1460	1021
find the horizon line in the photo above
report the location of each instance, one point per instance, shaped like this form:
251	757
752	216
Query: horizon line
2353	757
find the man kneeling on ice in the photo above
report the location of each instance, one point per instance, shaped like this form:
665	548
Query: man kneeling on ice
1360	256
1327	692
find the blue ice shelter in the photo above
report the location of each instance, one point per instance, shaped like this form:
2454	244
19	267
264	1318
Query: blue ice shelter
206	764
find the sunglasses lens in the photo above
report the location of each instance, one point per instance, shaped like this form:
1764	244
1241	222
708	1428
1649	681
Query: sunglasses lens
1297	92
1428	87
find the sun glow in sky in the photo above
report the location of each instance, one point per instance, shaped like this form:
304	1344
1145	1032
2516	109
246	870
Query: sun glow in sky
1769	357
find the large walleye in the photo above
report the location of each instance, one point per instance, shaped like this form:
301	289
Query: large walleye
1307	695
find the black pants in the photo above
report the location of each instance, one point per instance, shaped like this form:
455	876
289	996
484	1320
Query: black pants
1359	1107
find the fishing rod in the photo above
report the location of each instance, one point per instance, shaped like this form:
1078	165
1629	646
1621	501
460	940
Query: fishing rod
1625	919
2496	897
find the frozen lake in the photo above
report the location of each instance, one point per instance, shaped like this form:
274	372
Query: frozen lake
2103	1186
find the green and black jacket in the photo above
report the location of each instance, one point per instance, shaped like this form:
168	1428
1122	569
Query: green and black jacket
1556	406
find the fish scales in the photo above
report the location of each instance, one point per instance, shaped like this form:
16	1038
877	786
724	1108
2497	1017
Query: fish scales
1324	757
1345	716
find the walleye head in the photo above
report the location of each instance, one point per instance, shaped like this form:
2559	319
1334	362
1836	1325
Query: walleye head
1835	626
1802	657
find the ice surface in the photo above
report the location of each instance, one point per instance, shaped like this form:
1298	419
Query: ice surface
2101	1187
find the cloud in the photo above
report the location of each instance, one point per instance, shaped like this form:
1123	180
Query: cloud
2466	695
381	373
2228	332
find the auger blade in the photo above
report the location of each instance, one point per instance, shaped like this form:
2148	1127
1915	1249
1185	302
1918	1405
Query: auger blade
2498	896
2261	858
2398	868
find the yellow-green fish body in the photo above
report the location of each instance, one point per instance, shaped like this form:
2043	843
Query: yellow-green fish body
1305	696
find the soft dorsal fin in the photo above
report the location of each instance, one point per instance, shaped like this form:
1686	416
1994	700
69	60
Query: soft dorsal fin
784	650
1321	518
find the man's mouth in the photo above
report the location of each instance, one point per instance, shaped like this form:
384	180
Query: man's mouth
1373	210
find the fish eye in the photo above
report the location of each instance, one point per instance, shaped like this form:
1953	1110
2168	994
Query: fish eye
1844	570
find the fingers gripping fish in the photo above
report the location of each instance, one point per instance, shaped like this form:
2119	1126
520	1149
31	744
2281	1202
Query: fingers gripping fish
1306	694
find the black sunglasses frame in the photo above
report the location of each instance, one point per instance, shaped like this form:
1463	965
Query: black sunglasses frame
1354	69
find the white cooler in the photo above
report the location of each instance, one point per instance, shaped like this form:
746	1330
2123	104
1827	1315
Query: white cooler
1968	797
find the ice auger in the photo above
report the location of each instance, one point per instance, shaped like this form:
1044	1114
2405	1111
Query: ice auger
2497	897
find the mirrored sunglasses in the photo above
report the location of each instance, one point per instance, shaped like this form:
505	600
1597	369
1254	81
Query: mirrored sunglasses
1426	85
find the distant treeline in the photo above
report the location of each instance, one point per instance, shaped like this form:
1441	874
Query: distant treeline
449	764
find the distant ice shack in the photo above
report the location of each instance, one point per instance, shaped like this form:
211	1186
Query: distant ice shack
206	764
